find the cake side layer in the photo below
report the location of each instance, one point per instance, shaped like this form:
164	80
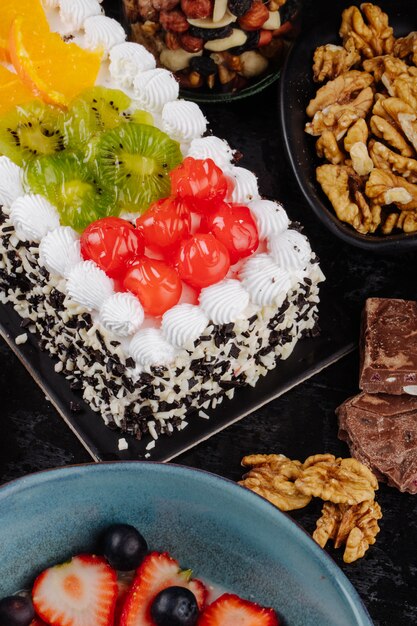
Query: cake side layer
158	399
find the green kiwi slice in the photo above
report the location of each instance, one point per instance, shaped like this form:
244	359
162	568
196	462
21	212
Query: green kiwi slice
31	130
137	158
96	110
72	186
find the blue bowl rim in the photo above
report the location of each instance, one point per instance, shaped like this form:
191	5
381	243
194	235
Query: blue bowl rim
343	584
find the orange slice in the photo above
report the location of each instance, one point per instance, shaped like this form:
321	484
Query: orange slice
10	9
54	70
12	91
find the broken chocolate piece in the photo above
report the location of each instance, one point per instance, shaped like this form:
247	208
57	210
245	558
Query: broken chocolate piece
381	432
388	346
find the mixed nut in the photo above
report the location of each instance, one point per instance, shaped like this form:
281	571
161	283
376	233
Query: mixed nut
214	44
365	118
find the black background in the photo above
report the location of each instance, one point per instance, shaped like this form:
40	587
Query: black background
33	436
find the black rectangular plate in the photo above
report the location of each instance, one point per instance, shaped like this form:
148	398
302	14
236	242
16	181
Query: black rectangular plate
309	357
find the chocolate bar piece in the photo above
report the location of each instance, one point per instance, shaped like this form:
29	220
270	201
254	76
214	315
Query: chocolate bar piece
388	346
381	432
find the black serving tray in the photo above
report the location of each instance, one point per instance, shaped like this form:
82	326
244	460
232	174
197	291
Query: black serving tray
311	355
297	88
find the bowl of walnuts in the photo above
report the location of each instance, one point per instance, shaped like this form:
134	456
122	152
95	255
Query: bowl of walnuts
219	50
349	119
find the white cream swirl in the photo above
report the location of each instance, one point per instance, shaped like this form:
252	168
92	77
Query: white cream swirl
10	181
88	285
212	148
290	250
73	13
245	186
33	216
183	324
154	88
122	314
148	347
270	217
127	60
59	251
266	282
50	4
225	301
183	121
103	33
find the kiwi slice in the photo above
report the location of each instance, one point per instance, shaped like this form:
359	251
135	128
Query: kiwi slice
94	111
137	158
72	186
31	130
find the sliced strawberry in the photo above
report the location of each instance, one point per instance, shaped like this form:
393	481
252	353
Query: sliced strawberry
230	610
81	592
157	572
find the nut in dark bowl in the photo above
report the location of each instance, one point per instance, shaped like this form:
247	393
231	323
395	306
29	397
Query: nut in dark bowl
348	114
218	49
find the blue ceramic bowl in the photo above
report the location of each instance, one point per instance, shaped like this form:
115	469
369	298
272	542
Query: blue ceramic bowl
225	533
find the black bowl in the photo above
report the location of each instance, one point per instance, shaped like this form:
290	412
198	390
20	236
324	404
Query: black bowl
297	88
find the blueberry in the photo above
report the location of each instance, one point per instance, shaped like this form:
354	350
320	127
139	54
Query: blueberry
239	7
210	33
203	65
123	546
175	606
16	611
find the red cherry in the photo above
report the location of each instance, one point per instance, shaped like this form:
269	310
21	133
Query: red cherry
165	224
235	227
202	260
157	285
111	243
200	183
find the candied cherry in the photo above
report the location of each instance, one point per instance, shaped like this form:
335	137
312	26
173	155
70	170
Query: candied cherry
165	224
112	243
156	284
200	183
202	260
124	547
175	606
235	227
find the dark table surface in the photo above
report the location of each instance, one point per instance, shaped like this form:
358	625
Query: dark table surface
33	437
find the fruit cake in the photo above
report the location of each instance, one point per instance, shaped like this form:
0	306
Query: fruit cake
144	258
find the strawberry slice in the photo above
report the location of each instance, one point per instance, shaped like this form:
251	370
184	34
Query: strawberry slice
230	610
157	572
81	592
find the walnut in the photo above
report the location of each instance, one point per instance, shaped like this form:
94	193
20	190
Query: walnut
407	46
386	159
408	123
361	161
357	132
405	88
339	91
339	117
344	481
372	38
331	61
407	220
272	476
356	526
328	148
383	129
385	66
390	222
386	188
342	188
